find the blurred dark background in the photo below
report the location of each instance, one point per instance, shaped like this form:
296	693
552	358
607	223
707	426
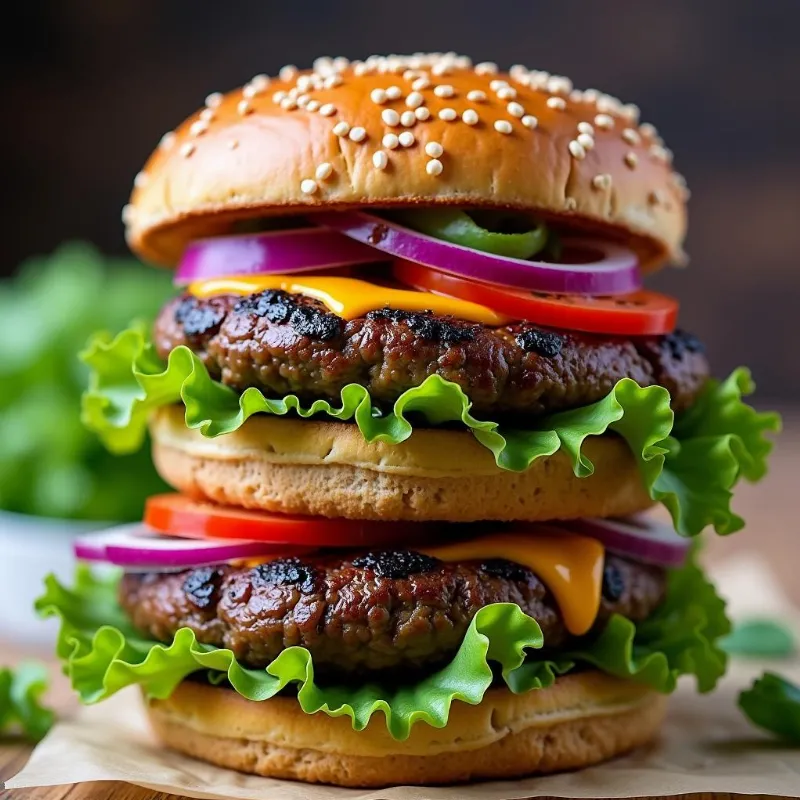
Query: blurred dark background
91	85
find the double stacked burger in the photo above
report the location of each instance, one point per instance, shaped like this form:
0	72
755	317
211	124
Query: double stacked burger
415	403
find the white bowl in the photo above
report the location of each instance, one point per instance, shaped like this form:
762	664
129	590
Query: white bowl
30	548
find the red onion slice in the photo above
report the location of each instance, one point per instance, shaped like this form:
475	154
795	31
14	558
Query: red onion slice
275	252
136	547
639	537
616	272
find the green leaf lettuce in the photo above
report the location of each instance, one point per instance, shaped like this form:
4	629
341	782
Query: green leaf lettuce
102	653
690	464
20	700
773	703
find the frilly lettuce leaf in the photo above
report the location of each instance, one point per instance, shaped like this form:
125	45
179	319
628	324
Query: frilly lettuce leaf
102	653
20	700
690	465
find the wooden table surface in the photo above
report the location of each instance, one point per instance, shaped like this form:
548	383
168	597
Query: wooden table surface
770	511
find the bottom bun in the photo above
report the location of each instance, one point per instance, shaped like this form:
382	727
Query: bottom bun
297	466
581	720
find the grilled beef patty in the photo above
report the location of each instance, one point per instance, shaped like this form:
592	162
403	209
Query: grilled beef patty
291	344
390	612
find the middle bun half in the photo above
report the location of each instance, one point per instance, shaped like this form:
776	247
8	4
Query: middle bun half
296	466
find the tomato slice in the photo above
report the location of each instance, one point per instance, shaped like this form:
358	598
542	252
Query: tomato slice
636	314
178	515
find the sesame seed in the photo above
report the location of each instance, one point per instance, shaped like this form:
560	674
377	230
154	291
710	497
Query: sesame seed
390	116
631	112
312	105
606	104
503	126
656	197
128	214
304	82
406	138
576	96
288	103
359	68
327	110
198	127
420	84
434	167
660	153
506	93
434	149
390	141
303	100
288	72
470	116
341	63
486	68
448	114
444	90
332	81
556	103
585	127
602	181
646	129
496	85
529	121
414	100
411	74
518	71
233	144
323	171
140	180
631	160
422	113
308	186
244	107
379	159
187	149
558	84
378	96
476	96
577	149
167	140
358	134
323	64
394	92
408	119
214	99
570	203
442	68
631	136
515	109
679	180
278	96
249	91
604	121
207	114
590	95
585	140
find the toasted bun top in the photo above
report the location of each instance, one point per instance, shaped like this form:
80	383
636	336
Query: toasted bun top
369	133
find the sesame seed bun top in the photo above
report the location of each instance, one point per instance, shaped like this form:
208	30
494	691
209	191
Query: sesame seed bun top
423	129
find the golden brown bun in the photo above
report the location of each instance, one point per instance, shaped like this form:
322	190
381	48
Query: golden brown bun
581	720
297	466
247	155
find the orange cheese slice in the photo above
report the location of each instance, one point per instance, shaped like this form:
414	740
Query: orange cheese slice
349	297
569	565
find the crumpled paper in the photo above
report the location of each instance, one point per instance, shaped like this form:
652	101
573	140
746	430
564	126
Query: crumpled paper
706	744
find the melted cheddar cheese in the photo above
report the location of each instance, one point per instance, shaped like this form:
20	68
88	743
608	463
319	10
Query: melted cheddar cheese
569	565
349	297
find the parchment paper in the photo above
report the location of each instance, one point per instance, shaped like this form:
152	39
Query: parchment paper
706	746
